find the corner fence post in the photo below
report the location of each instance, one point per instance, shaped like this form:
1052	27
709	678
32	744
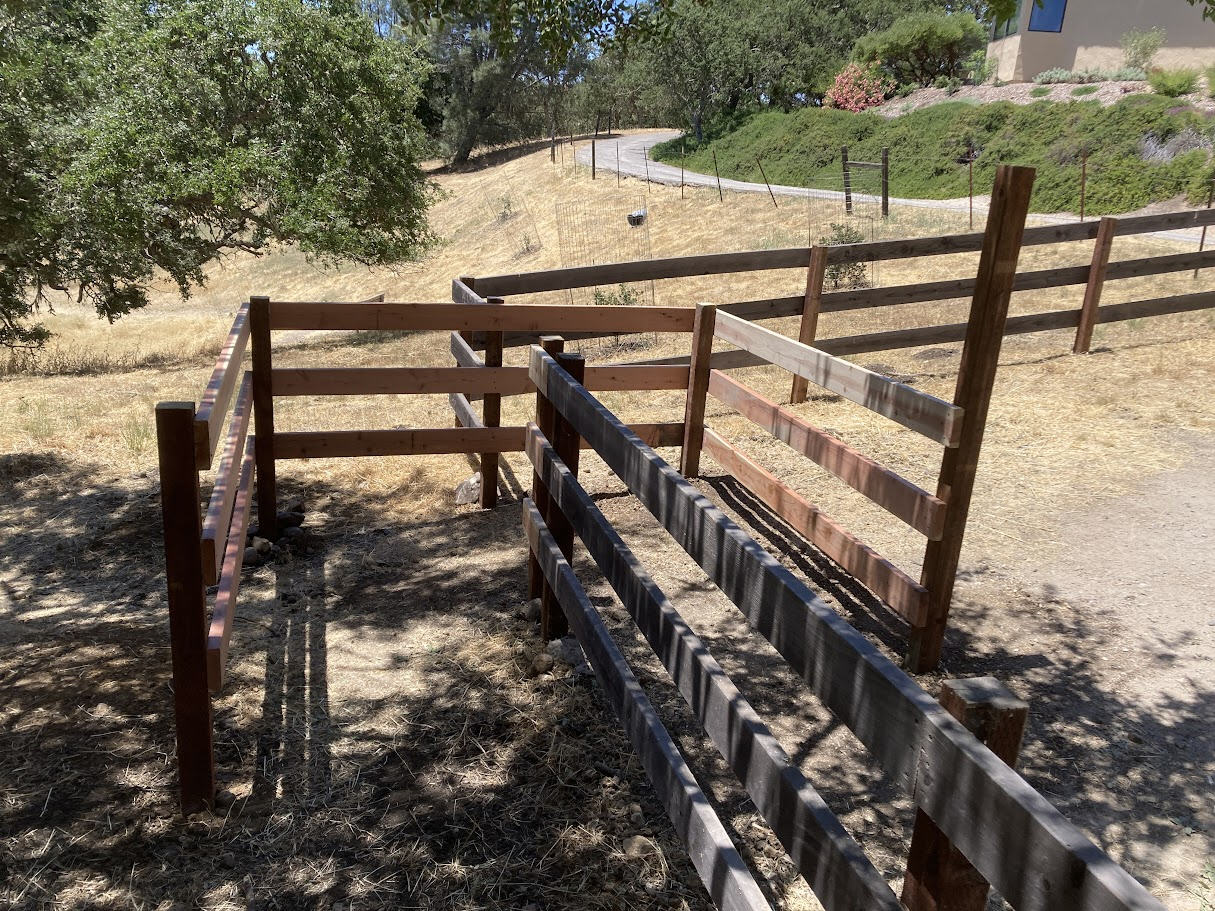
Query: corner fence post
537	585
491	416
976	378
1096	281
565	440
698	389
181	510
810	311
939	877
263	417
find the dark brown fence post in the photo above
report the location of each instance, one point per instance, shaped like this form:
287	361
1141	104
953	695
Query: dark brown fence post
537	586
1096	281
180	504
717	174
698	389
766	183
847	181
263	417
939	878
810	311
491	416
553	623
885	182
976	377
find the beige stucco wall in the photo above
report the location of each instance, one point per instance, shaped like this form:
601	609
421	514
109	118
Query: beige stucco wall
1091	38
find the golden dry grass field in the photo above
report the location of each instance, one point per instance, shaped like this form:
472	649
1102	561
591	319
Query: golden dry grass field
381	741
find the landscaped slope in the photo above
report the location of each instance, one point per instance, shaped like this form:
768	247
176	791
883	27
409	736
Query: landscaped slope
1140	150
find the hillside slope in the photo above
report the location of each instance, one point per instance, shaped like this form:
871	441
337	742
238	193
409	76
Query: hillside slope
1143	149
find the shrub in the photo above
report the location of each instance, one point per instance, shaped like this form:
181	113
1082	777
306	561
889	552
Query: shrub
1053	75
907	88
1039	91
1080	90
1129	74
1139	46
1172	83
856	88
1211	81
950	84
922	46
845	275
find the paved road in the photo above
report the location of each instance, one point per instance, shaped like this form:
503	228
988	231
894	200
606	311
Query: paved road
635	162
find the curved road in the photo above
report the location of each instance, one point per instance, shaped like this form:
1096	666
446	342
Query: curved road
635	162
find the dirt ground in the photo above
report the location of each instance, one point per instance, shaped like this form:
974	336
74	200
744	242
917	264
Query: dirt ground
382	740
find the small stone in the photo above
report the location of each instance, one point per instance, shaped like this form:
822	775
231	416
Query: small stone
636	817
252	558
640	846
532	611
292	533
469	490
542	664
262	546
228	859
224	799
290	519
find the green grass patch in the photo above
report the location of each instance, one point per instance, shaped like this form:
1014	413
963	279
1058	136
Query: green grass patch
929	149
1082	90
1039	91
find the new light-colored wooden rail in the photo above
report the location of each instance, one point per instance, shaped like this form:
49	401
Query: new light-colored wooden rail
978	822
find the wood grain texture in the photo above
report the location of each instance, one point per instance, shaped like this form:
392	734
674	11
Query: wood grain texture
1020	843
698	390
295	381
934	418
263	416
831	862
976	380
1096	282
332	444
891	585
463	353
718	863
463	410
182	526
227	373
227	479
461	293
485	317
224	611
894	493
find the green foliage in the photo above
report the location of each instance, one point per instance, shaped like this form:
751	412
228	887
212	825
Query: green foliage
624	296
1140	46
924	46
1081	90
845	275
929	149
1172	83
141	141
1039	91
1210	74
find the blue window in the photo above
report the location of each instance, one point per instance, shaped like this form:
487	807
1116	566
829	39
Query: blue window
1048	17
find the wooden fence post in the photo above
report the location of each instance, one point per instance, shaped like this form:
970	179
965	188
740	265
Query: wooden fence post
180	504
491	416
698	390
1096	281
537	587
847	181
553	622
263	417
885	182
976	377
939	877
810	311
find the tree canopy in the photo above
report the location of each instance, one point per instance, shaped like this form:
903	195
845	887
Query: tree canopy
144	140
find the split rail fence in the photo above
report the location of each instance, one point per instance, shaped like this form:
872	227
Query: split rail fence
969	801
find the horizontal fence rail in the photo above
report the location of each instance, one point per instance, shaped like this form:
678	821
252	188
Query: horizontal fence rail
1017	841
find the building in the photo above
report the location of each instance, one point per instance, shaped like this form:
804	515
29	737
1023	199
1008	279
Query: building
1087	35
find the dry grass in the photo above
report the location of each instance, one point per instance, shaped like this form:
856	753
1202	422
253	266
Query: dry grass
1063	431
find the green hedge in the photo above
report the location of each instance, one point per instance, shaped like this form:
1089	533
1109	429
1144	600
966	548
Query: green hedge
928	149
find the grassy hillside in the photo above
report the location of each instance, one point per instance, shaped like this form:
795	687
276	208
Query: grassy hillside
1143	149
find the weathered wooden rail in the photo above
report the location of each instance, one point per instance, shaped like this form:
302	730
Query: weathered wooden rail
970	802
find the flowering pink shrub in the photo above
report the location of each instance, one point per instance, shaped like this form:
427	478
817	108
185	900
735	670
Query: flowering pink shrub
858	87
